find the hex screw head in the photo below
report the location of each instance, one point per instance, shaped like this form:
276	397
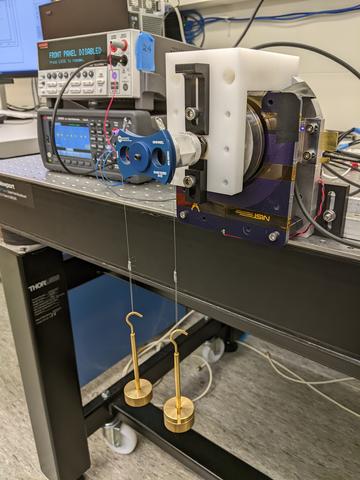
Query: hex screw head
105	395
191	113
308	155
273	236
189	181
329	216
312	128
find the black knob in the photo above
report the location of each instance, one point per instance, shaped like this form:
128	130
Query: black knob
124	60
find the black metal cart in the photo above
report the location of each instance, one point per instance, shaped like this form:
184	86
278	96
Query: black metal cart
303	297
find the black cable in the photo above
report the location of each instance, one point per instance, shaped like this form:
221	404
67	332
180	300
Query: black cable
344	156
56	107
357	191
354	193
319	228
250	22
336	174
15	108
203	39
319	51
192	17
345	134
356	73
352	157
343	165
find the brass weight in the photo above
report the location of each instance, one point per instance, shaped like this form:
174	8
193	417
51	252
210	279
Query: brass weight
179	411
137	392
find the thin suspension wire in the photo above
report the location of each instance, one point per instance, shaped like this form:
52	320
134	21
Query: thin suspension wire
175	272
108	140
131	287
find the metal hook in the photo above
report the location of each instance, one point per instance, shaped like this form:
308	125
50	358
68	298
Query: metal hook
130	314
137	392
178	330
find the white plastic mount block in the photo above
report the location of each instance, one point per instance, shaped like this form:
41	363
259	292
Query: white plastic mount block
234	72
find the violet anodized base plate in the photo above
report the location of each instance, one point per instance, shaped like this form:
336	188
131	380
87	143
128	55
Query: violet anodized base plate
261	213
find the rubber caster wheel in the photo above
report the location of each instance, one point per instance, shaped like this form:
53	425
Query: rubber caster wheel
213	350
120	437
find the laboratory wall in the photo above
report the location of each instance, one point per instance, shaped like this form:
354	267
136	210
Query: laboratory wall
338	90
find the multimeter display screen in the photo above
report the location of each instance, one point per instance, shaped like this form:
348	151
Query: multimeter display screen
73	140
71	52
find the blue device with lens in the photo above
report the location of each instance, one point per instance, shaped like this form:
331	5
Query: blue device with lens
153	156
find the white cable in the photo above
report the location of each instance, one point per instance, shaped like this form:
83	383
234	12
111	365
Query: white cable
208	366
331	177
208	386
181	25
308	384
320	382
157	345
267	356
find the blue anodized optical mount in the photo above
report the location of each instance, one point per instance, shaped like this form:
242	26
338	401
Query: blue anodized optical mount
153	156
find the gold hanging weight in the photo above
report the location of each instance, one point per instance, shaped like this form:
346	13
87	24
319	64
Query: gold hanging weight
179	411
137	392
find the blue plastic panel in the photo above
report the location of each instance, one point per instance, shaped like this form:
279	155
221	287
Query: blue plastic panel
98	309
